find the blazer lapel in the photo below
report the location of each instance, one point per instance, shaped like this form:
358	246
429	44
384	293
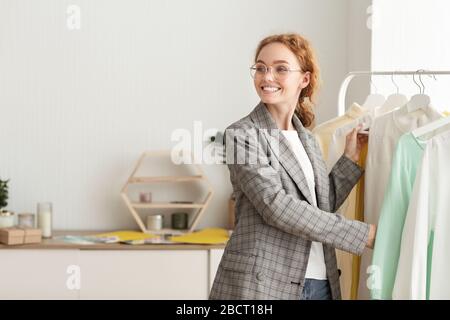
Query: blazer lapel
281	147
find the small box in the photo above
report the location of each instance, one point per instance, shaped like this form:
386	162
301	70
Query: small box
14	236
32	235
11	236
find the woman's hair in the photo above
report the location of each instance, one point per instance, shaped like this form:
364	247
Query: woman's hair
308	62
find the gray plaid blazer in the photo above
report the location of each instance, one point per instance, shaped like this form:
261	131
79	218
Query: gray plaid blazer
267	254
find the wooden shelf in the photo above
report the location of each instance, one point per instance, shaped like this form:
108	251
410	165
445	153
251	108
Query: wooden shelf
167	205
133	206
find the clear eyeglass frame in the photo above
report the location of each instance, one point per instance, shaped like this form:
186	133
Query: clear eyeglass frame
281	71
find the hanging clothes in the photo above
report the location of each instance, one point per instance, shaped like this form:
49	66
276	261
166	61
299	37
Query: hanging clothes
324	132
424	256
386	252
324	135
338	139
384	134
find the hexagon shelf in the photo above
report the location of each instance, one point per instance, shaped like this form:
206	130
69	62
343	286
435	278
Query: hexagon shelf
133	206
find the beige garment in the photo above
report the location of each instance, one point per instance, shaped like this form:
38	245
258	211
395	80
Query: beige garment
324	133
359	215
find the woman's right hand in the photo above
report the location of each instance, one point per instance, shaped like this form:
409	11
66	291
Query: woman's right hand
372	234
354	143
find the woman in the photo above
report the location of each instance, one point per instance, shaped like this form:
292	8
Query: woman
283	244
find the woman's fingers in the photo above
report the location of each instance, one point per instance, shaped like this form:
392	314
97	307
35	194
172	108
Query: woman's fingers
363	138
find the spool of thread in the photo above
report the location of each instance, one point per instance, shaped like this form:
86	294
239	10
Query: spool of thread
25	220
180	220
145	197
154	222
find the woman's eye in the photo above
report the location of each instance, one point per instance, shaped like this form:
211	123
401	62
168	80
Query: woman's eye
260	69
282	69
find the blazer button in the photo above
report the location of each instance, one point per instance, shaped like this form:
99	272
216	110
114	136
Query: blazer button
260	276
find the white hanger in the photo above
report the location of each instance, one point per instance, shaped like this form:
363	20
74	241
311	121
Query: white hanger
431	127
373	100
421	100
394	101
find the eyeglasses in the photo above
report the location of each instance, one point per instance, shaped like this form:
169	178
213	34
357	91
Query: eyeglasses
279	71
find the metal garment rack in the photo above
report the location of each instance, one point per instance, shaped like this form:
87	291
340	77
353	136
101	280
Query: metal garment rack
351	75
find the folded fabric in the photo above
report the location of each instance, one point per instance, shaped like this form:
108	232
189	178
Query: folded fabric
205	236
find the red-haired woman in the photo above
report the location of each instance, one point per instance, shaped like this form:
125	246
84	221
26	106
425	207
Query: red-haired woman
286	231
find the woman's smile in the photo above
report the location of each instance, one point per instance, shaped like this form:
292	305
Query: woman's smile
270	89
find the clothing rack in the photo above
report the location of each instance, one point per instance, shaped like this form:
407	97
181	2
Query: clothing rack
353	74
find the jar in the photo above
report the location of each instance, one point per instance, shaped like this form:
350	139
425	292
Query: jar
44	214
180	220
145	197
6	219
154	222
25	220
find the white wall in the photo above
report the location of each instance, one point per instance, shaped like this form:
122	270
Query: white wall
77	107
411	35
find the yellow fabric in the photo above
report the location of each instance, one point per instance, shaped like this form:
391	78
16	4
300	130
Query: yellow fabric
324	133
122	236
205	236
446	113
358	216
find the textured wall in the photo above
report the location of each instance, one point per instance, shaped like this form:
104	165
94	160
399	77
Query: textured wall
77	107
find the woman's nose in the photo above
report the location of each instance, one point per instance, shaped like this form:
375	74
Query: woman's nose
268	75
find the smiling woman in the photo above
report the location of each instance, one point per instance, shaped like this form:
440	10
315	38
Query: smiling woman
286	229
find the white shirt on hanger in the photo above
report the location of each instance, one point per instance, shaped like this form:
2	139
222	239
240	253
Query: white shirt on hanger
316	268
383	136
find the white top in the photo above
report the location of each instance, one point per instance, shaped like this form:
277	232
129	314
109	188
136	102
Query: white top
316	268
426	233
384	134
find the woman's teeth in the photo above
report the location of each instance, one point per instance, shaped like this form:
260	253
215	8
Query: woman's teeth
270	89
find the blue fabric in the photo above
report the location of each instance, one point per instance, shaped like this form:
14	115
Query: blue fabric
316	290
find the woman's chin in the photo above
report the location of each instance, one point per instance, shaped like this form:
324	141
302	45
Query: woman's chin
269	99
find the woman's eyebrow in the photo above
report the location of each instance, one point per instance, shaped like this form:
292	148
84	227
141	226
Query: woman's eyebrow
276	61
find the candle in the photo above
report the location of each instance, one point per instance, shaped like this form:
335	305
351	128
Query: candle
145	197
180	220
6	219
45	219
26	220
154	222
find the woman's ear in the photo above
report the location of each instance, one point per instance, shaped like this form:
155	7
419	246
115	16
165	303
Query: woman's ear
305	80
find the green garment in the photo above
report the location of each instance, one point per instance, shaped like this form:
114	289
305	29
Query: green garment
406	160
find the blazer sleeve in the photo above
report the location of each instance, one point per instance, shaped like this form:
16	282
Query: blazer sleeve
261	184
343	177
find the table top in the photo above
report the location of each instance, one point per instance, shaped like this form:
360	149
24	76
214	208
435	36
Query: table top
58	244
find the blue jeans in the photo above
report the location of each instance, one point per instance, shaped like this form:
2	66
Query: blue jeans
316	290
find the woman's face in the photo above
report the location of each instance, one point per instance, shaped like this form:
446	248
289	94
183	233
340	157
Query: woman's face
278	86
